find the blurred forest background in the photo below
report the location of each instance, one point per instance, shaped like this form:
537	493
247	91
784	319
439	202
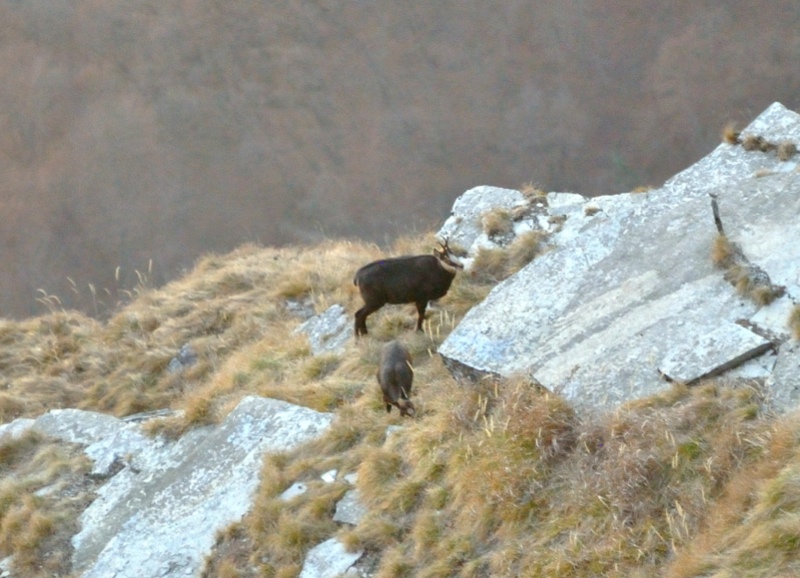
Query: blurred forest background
136	135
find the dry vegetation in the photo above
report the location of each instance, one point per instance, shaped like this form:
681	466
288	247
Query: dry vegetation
749	281
501	479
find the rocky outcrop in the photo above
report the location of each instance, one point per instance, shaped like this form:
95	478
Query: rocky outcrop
329	331
164	502
629	292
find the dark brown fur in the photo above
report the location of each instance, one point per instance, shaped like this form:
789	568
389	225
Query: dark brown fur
416	279
395	376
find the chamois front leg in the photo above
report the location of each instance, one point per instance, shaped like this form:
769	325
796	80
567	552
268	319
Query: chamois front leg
421	306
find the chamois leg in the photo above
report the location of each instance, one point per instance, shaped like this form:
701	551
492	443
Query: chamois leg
421	305
361	318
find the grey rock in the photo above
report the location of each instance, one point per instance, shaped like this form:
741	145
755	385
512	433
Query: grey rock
622	288
328	559
186	358
349	509
303	309
329	331
160	516
108	439
708	354
5	566
17	428
783	385
296	489
329	477
464	226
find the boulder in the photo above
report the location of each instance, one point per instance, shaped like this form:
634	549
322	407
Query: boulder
328	332
632	284
159	514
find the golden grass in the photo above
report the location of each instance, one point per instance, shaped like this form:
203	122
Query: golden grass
722	251
44	487
496	479
497	222
727	256
794	322
731	134
532	191
493	265
786	150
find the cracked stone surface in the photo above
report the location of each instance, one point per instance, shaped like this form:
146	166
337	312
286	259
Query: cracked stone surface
158	516
708	354
631	282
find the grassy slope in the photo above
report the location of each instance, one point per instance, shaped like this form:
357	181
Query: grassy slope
497	480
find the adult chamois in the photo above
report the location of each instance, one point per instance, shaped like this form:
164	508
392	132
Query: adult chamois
395	374
414	279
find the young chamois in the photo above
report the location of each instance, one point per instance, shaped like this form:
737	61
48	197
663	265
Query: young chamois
415	279
395	374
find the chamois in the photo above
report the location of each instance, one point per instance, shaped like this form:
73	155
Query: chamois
414	279
395	374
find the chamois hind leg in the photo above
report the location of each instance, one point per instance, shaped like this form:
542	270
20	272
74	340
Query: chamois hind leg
361	318
421	305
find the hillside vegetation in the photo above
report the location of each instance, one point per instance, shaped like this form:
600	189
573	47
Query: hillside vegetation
496	479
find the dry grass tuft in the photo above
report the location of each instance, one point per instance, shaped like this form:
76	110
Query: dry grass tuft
497	222
752	142
794	321
786	150
494	265
748	281
532	191
722	252
731	134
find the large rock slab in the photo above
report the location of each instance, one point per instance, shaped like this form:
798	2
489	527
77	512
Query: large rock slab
594	317
158	516
708	354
